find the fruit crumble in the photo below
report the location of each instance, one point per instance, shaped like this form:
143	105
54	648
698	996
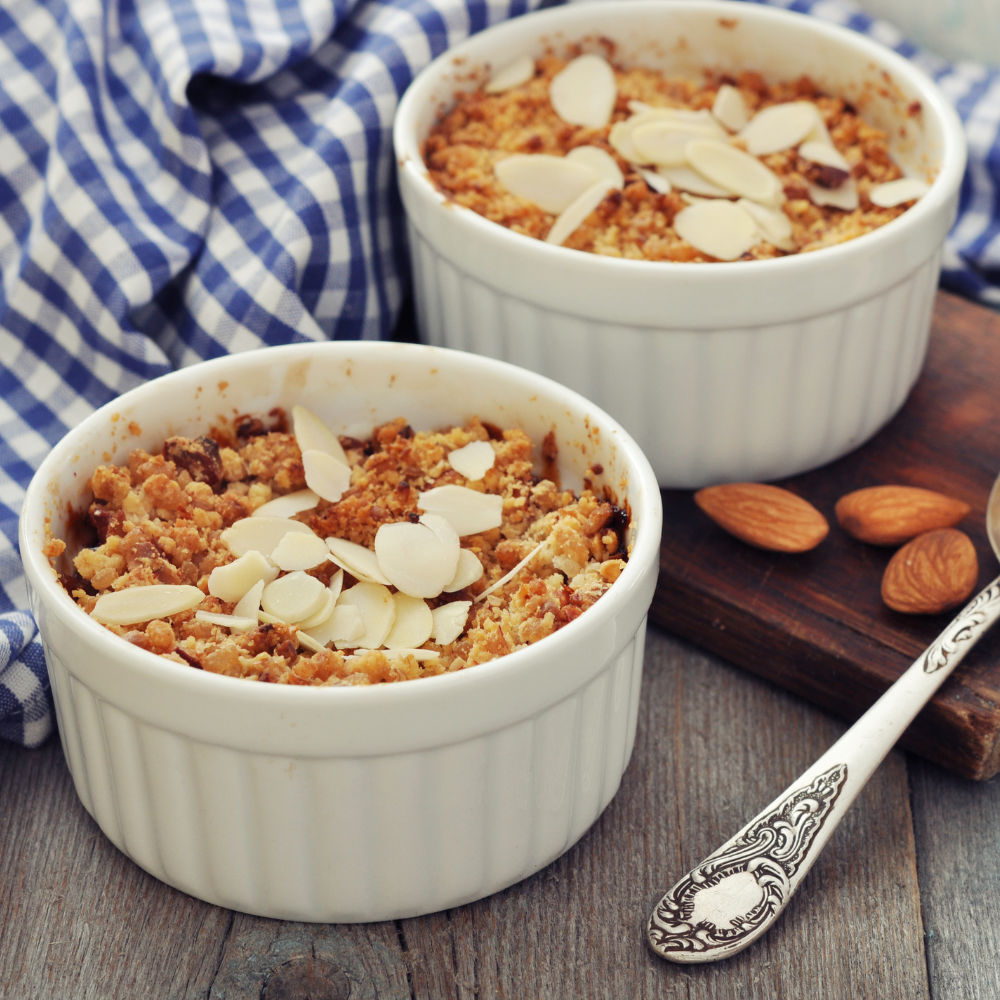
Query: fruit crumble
292	556
631	163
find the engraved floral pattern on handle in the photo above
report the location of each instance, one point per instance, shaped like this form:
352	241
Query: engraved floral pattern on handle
741	887
965	630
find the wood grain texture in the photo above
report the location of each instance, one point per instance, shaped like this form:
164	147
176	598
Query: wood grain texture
79	921
814	623
957	828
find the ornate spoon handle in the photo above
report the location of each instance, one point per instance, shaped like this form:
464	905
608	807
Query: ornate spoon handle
735	894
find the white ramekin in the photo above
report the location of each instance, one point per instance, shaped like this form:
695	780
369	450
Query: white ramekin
347	804
746	370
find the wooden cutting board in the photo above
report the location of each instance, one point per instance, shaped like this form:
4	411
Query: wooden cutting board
814	623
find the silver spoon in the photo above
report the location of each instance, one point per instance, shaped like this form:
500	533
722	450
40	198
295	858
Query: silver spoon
733	897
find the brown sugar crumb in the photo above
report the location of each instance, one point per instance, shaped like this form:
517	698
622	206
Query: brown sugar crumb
636	223
160	519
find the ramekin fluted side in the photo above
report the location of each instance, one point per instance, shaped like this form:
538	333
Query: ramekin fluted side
706	406
352	838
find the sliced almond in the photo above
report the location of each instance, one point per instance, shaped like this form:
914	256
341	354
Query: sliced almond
584	92
600	161
325	475
377	609
307	641
735	171
336	584
288	505
686	179
779	127
260	534
296	551
656	181
418	559
844	197
413	624
821	152
249	604
343	625
521	70
717	228
474	460
320	616
551	182
449	621
469	570
507	577
142	604
773	224
355	559
293	597
730	108
235	623
663	142
231	582
391	654
312	434
572	218
894	193
468	511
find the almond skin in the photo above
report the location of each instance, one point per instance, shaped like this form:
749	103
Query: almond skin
765	516
935	572
891	515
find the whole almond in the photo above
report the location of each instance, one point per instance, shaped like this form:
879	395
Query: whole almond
765	516
934	572
891	515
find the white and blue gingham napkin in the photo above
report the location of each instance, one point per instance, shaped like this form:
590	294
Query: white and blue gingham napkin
181	179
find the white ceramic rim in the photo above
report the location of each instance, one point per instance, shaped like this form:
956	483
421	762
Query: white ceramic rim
949	177
518	665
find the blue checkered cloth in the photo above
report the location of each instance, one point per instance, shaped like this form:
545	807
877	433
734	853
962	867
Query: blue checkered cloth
181	179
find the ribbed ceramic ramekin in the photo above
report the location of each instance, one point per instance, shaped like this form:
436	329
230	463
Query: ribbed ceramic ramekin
747	370
347	804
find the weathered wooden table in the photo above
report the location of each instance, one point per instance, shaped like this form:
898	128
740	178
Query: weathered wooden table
905	902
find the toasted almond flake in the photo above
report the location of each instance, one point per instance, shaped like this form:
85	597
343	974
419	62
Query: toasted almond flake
467	511
449	621
296	551
521	70
686	179
572	218
844	197
260	534
894	193
827	155
620	136
289	505
656	181
249	603
735	171
336	584
551	182
717	228
418	559
325	475
600	161
231	582
235	623
584	92
312	434
773	224
343	625
143	604
664	143
320	616
474	460
304	639
355	559
779	127
506	578
620	140
377	609
266	619
294	597
469	570
820	133
413	624
730	108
